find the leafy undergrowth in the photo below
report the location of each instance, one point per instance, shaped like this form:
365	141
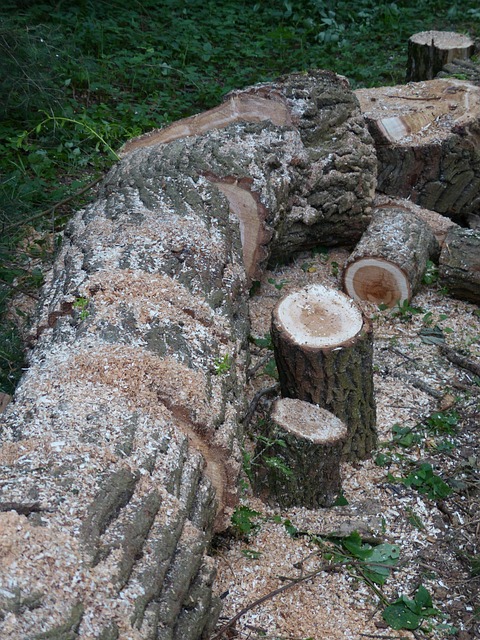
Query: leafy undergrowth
79	79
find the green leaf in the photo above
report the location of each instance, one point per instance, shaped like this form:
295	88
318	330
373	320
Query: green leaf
399	616
432	335
354	544
275	463
341	500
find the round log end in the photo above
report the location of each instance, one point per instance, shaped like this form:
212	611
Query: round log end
376	280
308	421
318	317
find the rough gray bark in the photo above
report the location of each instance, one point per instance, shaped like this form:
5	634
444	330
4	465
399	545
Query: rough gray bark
324	353
430	51
125	427
459	264
426	135
387	265
308	442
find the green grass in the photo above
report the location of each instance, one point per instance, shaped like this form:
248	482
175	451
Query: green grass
79	79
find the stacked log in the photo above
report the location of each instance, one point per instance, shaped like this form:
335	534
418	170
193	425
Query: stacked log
459	266
122	441
387	265
426	136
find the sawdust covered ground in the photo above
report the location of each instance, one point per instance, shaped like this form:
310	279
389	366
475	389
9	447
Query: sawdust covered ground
437	538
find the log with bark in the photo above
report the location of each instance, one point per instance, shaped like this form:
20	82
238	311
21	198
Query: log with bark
125	428
387	265
430	51
324	351
297	458
459	264
427	136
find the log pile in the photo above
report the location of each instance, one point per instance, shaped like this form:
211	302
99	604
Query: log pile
426	135
122	441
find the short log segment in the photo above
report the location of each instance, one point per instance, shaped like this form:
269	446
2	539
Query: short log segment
307	441
459	265
323	350
427	136
430	51
388	263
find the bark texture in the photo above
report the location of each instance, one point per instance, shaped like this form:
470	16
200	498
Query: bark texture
430	51
125	428
459	265
427	139
308	442
387	265
336	374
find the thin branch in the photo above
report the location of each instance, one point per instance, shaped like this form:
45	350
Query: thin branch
461	361
256	399
19	290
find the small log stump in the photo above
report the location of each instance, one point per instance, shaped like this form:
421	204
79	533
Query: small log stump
307	441
323	349
459	265
430	51
388	263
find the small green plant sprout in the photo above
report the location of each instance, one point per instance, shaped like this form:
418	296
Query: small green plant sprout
404	310
309	267
244	521
273	462
374	563
270	369
442	422
251	554
278	285
405	613
81	305
431	273
222	365
263	343
426	482
335	268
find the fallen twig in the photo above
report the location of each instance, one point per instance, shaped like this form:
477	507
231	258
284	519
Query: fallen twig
256	399
461	361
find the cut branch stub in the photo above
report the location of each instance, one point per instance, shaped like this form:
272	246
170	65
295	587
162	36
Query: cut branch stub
298	457
430	51
323	350
388	263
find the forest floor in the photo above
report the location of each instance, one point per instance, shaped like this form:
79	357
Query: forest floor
416	501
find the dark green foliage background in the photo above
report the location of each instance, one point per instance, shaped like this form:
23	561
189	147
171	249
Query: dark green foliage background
121	67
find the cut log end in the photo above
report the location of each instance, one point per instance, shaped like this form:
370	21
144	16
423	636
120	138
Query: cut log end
378	281
308	421
318	317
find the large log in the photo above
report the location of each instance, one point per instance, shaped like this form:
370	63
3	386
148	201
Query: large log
459	264
387	265
324	353
430	51
307	441
427	137
122	441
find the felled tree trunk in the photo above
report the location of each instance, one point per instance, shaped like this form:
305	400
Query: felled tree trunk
124	431
430	51
323	349
459	265
426	135
387	265
297	461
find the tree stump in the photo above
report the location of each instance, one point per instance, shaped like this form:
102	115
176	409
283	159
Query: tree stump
387	265
430	51
426	136
323	350
297	461
459	264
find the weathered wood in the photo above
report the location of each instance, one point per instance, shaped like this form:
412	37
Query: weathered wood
125	428
427	136
308	442
459	264
324	350
438	224
430	51
387	265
